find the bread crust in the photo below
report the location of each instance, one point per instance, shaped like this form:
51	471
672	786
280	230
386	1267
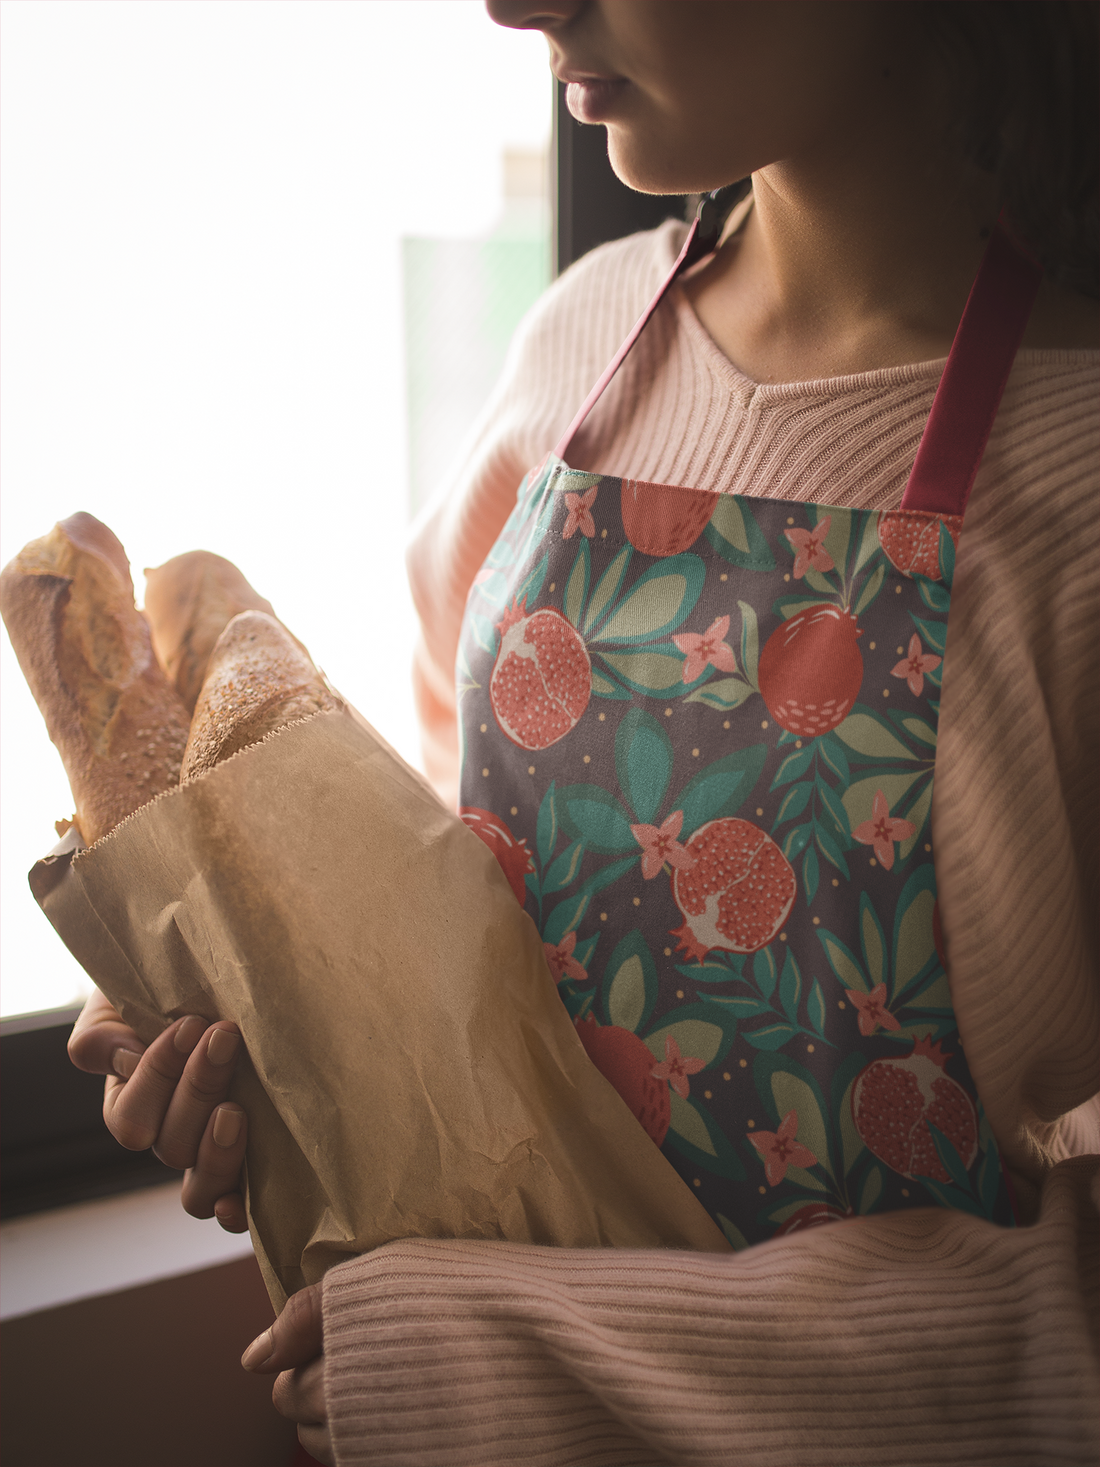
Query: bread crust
189	601
258	680
67	600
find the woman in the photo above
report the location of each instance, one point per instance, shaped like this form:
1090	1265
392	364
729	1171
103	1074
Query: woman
882	143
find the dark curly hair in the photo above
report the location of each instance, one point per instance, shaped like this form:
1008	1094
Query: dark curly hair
1025	78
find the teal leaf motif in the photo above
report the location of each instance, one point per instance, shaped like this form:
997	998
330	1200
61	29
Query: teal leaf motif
810	874
796	840
643	763
834	805
950	1158
734	1236
546	830
630	983
869	545
737	537
531	585
750	643
870	590
772	1036
657	603
485	633
592	815
790	987
607	875
764	972
839	533
870	1192
793	766
815	1007
788	606
576	587
830	850
872	940
721	789
934	596
791	1093
741	1005
833	755
607	588
933	634
565	917
564	870
723	694
793	803
947	556
704	1031
695	1135
843	962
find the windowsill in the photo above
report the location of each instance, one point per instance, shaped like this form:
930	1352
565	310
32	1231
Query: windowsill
104	1246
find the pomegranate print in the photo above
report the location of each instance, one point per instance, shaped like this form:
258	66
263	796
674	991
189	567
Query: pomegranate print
893	1099
813	1215
628	1064
811	670
512	855
912	540
542	678
737	893
662	519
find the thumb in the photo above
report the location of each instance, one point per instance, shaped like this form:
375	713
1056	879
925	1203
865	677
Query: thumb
294	1339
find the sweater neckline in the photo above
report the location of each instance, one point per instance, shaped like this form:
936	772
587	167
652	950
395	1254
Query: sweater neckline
879	379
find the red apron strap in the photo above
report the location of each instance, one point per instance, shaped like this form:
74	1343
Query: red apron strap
702	240
974	378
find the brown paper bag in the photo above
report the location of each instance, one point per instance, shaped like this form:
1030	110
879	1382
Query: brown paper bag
412	1071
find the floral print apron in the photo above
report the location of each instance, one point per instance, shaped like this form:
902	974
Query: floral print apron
699	734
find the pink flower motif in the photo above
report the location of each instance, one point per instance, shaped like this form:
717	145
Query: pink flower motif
580	514
808	547
561	961
780	1149
913	666
881	831
676	1067
873	1013
659	846
702	651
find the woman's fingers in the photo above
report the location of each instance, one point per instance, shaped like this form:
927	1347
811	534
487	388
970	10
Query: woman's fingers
136	1109
210	1186
101	1043
294	1339
201	1088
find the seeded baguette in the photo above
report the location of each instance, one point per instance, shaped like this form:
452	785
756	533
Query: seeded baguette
258	680
67	601
189	602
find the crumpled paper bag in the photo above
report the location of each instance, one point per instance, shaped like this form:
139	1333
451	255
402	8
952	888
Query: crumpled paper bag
411	1070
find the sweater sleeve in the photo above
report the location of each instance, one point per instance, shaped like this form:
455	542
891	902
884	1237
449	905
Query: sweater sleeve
922	1337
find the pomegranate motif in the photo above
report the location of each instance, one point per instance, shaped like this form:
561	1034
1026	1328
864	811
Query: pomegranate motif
542	678
811	670
893	1099
628	1064
737	893
912	540
663	519
813	1215
512	855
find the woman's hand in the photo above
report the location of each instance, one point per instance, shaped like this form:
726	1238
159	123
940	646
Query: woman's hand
293	1346
171	1096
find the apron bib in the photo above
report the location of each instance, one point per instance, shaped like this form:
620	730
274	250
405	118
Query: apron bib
699	734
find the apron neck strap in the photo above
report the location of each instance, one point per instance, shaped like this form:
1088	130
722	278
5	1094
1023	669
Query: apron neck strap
969	394
702	240
973	380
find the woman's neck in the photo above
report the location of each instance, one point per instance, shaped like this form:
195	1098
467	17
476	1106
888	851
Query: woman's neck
860	261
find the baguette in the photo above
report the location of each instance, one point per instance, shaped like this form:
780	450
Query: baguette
258	680
67	600
189	601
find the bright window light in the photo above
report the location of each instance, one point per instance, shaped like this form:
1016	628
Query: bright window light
206	210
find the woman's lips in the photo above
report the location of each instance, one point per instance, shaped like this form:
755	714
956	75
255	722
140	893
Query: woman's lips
593	99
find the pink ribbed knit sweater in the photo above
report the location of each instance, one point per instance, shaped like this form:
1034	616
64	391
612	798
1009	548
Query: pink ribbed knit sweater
924	1337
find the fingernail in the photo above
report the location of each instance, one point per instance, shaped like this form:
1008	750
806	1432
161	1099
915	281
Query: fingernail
189	1033
222	1046
124	1062
227	1126
260	1350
